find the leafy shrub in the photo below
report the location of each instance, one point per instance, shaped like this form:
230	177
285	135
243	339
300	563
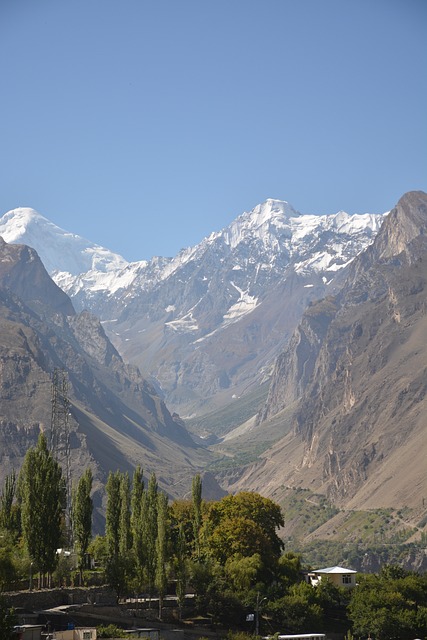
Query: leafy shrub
110	631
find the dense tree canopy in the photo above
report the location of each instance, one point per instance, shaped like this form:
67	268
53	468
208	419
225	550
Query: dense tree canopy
10	517
196	489
244	524
42	491
7	621
251	506
298	610
391	605
162	550
228	551
82	517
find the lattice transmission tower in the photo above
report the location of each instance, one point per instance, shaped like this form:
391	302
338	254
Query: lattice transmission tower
60	438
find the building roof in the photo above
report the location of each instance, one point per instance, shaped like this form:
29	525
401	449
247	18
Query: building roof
334	570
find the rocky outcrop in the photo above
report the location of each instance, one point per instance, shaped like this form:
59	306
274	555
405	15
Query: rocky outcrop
206	325
22	272
295	366
354	376
117	420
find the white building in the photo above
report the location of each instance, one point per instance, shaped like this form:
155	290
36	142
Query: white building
80	633
339	576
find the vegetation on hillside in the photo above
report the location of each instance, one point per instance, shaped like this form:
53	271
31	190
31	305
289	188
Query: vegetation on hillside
365	540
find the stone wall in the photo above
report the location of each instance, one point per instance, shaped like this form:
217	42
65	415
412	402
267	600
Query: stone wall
50	598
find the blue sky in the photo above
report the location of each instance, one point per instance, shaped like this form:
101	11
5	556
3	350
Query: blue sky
144	125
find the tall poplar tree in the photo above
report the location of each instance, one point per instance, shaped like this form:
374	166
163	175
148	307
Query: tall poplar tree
43	496
181	567
9	512
162	548
82	517
197	508
115	569
124	531
112	515
136	524
150	531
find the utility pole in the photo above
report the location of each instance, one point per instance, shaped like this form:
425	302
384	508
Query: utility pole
60	438
258	605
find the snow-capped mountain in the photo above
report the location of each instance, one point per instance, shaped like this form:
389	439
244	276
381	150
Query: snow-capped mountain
60	251
78	266
350	388
115	417
207	323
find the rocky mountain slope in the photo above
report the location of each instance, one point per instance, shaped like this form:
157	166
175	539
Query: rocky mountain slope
337	303
117	420
206	325
349	390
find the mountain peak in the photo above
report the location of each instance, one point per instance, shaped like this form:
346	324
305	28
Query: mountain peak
413	209
15	223
59	250
272	209
22	272
404	223
264	220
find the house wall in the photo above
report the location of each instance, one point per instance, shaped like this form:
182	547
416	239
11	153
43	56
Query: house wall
76	634
33	633
337	579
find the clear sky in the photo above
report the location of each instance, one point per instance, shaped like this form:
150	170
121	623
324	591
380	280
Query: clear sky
143	125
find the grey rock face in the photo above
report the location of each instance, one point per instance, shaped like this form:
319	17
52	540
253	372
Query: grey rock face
356	371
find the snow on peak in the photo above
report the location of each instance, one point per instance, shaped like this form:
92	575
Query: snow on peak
345	223
263	222
270	236
59	250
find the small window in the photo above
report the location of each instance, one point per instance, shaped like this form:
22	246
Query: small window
87	635
346	579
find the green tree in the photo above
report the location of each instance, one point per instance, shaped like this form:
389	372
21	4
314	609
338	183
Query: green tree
115	566
181	573
266	513
136	523
98	550
112	514
245	523
82	517
7	569
7	621
110	631
197	507
9	511
298	610
243	572
389	607
150	531
43	493
182	513
289	569
162	548
125	540
242	536
62	573
200	575
223	604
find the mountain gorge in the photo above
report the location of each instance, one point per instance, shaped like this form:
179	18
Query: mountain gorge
205	326
349	390
116	419
311	327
